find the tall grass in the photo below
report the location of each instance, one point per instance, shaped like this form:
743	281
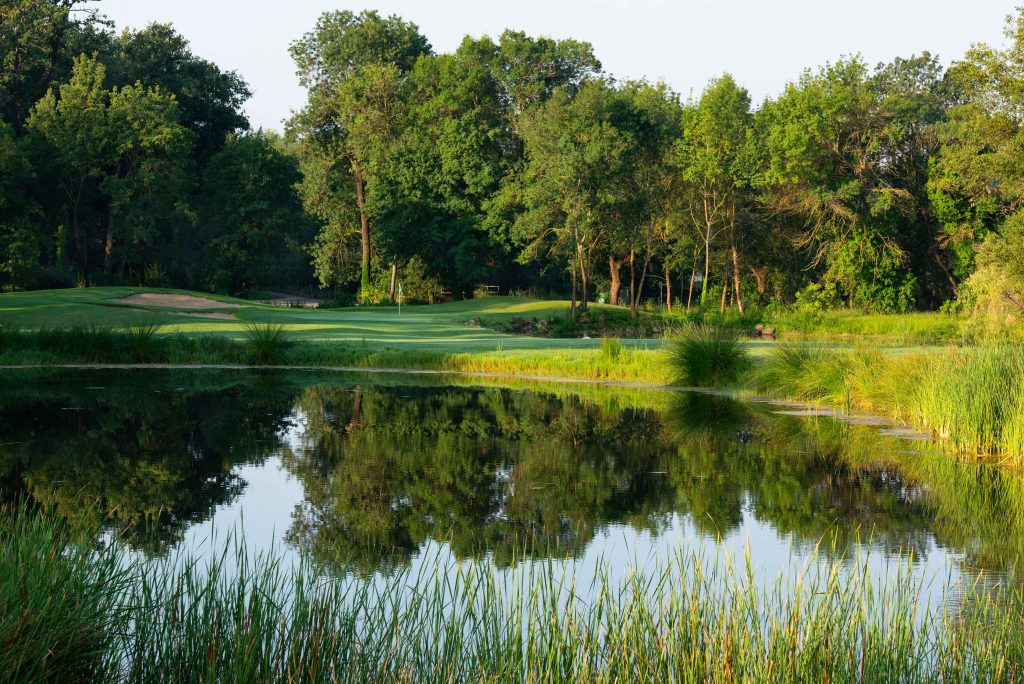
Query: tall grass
266	343
690	617
703	356
972	398
61	602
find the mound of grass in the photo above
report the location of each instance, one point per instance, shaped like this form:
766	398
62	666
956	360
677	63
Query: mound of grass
803	371
703	356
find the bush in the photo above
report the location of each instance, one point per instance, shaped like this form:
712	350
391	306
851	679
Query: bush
708	357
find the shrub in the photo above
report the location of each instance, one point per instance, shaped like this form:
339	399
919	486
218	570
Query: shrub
706	357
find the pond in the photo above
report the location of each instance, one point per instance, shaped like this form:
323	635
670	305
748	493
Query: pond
370	475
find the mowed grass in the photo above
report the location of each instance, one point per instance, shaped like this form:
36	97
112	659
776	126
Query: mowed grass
440	327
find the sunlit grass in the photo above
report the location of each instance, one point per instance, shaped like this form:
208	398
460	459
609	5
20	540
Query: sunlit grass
696	615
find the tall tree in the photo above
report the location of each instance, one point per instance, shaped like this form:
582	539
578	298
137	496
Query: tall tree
976	183
354	68
124	145
250	216
576	163
209	99
713	160
828	140
33	47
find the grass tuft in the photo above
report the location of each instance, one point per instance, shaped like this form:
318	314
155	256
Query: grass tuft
708	357
266	343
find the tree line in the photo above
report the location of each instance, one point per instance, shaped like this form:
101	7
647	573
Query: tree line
514	162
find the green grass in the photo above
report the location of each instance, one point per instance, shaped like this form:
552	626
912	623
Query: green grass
972	398
847	325
692	617
707	357
441	327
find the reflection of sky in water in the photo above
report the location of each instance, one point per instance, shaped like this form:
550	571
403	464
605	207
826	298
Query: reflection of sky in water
946	514
265	508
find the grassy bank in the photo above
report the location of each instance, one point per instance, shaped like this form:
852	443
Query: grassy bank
105	616
972	397
274	346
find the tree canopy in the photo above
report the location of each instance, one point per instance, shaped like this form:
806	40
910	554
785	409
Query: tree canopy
513	161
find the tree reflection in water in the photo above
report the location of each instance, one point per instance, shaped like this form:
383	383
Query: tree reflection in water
508	473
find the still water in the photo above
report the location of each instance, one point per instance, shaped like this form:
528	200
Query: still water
372	475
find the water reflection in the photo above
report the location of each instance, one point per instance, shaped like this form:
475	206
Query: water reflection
387	470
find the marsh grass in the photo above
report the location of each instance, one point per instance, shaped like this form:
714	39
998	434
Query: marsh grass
972	398
704	356
611	349
61	609
266	344
693	616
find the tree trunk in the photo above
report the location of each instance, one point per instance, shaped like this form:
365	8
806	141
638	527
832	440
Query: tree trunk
108	243
707	264
693	274
357	411
761	279
725	290
668	289
945	269
584	279
736	277
81	250
394	276
632	276
615	268
364	232
572	302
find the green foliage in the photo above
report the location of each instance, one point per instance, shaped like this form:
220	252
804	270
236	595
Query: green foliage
266	344
703	356
255	237
61	599
254	618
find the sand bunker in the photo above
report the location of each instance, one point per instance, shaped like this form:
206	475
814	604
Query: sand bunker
218	316
174	301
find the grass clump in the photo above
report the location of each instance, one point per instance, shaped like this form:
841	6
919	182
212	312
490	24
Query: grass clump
611	350
803	371
140	342
704	356
266	344
61	601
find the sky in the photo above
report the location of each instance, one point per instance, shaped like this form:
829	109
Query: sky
764	44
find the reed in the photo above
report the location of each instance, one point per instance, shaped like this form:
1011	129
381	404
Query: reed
694	616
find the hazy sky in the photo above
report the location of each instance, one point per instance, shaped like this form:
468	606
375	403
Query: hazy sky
763	43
